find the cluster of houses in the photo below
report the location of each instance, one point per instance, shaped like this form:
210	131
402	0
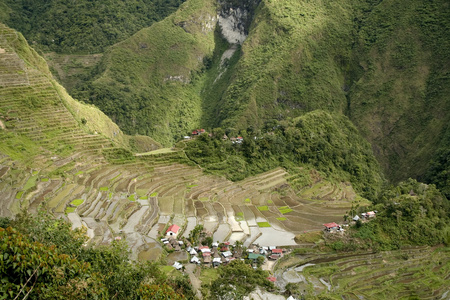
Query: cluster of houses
224	253
237	140
334	227
365	216
198	131
218	254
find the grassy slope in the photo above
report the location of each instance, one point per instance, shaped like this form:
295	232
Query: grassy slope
148	85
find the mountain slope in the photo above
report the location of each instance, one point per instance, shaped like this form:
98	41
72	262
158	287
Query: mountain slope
400	101
382	63
147	82
37	112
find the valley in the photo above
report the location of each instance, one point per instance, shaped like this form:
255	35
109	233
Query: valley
314	113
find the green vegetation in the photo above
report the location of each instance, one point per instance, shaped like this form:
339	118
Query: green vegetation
154	194
30	183
148	84
77	202
104	188
82	26
237	280
284	209
411	213
402	47
247	200
318	140
263	224
51	254
209	275
263	208
413	273
379	63
70	209
309	237
281	219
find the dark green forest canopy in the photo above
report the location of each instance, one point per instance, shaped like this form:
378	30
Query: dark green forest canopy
82	26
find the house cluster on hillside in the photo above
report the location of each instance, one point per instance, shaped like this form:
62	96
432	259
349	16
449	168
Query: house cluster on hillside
217	254
234	140
224	253
198	131
334	227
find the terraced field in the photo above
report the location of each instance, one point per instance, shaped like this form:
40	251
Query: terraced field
49	158
420	273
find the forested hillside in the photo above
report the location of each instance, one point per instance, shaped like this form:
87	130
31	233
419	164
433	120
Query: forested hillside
399	98
81	26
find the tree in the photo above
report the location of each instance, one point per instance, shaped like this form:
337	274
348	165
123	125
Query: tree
237	280
195	234
39	271
158	292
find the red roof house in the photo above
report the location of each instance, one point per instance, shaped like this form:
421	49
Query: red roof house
173	230
331	226
272	279
277	251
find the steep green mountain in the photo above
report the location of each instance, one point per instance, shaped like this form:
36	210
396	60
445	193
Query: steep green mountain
148	83
384	64
81	26
399	99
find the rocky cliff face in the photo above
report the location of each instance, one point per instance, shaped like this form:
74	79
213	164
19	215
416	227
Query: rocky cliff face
235	18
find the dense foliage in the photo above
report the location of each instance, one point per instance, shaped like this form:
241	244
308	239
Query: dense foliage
399	97
439	172
38	271
44	258
237	280
326	142
82	26
411	213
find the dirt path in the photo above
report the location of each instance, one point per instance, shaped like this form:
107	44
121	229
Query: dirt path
2	125
196	283
268	265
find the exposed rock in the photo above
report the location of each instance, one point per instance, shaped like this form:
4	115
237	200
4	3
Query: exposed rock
235	19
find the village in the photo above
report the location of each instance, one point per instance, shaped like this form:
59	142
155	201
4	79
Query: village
214	254
197	132
200	249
